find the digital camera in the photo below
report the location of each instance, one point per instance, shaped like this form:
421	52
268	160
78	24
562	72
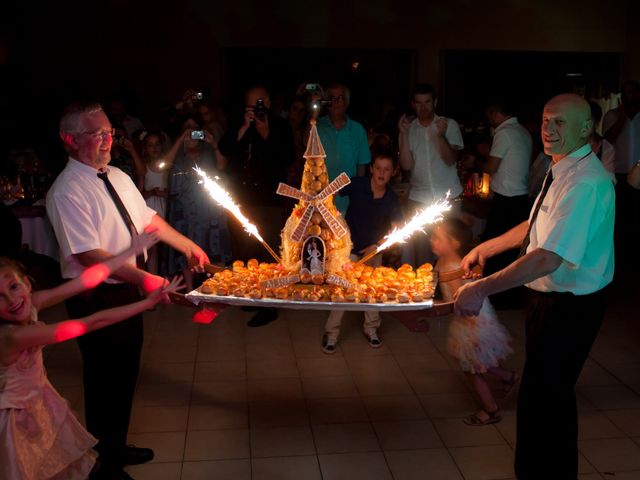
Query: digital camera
197	135
260	110
196	97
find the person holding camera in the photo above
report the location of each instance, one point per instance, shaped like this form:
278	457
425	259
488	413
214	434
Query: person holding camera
190	210
259	149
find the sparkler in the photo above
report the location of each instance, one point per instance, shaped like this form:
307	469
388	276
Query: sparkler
431	214
223	198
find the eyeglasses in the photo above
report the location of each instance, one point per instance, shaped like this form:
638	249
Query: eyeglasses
339	98
101	134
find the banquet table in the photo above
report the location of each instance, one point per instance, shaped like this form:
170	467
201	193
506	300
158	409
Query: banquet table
37	232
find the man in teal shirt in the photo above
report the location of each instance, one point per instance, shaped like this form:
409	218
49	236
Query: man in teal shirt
344	140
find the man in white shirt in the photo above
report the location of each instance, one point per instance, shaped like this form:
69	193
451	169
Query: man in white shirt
622	129
568	241
508	164
91	227
429	147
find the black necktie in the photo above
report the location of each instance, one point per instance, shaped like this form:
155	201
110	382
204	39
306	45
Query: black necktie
545	188
123	213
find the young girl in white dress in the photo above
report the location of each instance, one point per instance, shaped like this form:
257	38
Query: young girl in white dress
40	438
154	180
479	343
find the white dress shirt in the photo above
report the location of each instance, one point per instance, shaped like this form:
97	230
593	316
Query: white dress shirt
431	177
576	221
512	144
84	216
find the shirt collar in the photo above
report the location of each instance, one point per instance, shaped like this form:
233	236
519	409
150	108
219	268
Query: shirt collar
326	120
83	168
416	121
570	160
508	121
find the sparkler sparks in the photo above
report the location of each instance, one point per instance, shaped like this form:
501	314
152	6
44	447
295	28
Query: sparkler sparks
431	214
223	198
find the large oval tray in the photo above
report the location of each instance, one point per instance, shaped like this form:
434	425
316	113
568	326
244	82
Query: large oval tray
196	297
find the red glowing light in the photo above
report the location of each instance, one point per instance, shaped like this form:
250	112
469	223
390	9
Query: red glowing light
69	329
94	275
204	316
152	283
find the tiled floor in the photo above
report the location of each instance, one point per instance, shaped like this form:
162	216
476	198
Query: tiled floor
224	401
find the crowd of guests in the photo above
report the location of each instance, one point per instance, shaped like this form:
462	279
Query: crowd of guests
129	185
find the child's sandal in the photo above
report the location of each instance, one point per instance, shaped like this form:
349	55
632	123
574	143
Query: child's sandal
507	385
475	420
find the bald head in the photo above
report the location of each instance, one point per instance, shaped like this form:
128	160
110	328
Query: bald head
566	125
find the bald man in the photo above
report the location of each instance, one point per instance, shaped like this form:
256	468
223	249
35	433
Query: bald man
566	261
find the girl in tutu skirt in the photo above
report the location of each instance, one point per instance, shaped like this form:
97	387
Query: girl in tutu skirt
40	437
479	343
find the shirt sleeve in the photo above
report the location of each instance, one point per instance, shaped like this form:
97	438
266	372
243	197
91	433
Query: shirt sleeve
73	224
500	144
453	134
569	224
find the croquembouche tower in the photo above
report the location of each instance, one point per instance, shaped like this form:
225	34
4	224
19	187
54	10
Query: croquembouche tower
315	240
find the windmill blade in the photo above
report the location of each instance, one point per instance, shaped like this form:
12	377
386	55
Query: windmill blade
339	182
336	227
301	229
289	191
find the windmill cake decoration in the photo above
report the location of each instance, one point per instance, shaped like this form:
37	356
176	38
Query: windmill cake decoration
315	240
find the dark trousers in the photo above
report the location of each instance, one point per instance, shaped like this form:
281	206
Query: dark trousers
505	213
561	328
111	362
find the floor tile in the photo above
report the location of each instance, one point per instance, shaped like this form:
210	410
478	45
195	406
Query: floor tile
162	395
274	389
448	405
220	352
347	466
507	428
272	369
455	433
626	420
337	410
329	387
218	416
611	397
613	454
395	407
326	366
286	468
407	435
161	373
159	419
211	393
217	470
373	385
420	464
278	414
272	352
379	365
175	354
282	441
426	383
156	471
422	363
345	438
220	371
217	445
596	425
167	446
481	463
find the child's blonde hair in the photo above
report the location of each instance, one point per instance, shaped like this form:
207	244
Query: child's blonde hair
6	262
